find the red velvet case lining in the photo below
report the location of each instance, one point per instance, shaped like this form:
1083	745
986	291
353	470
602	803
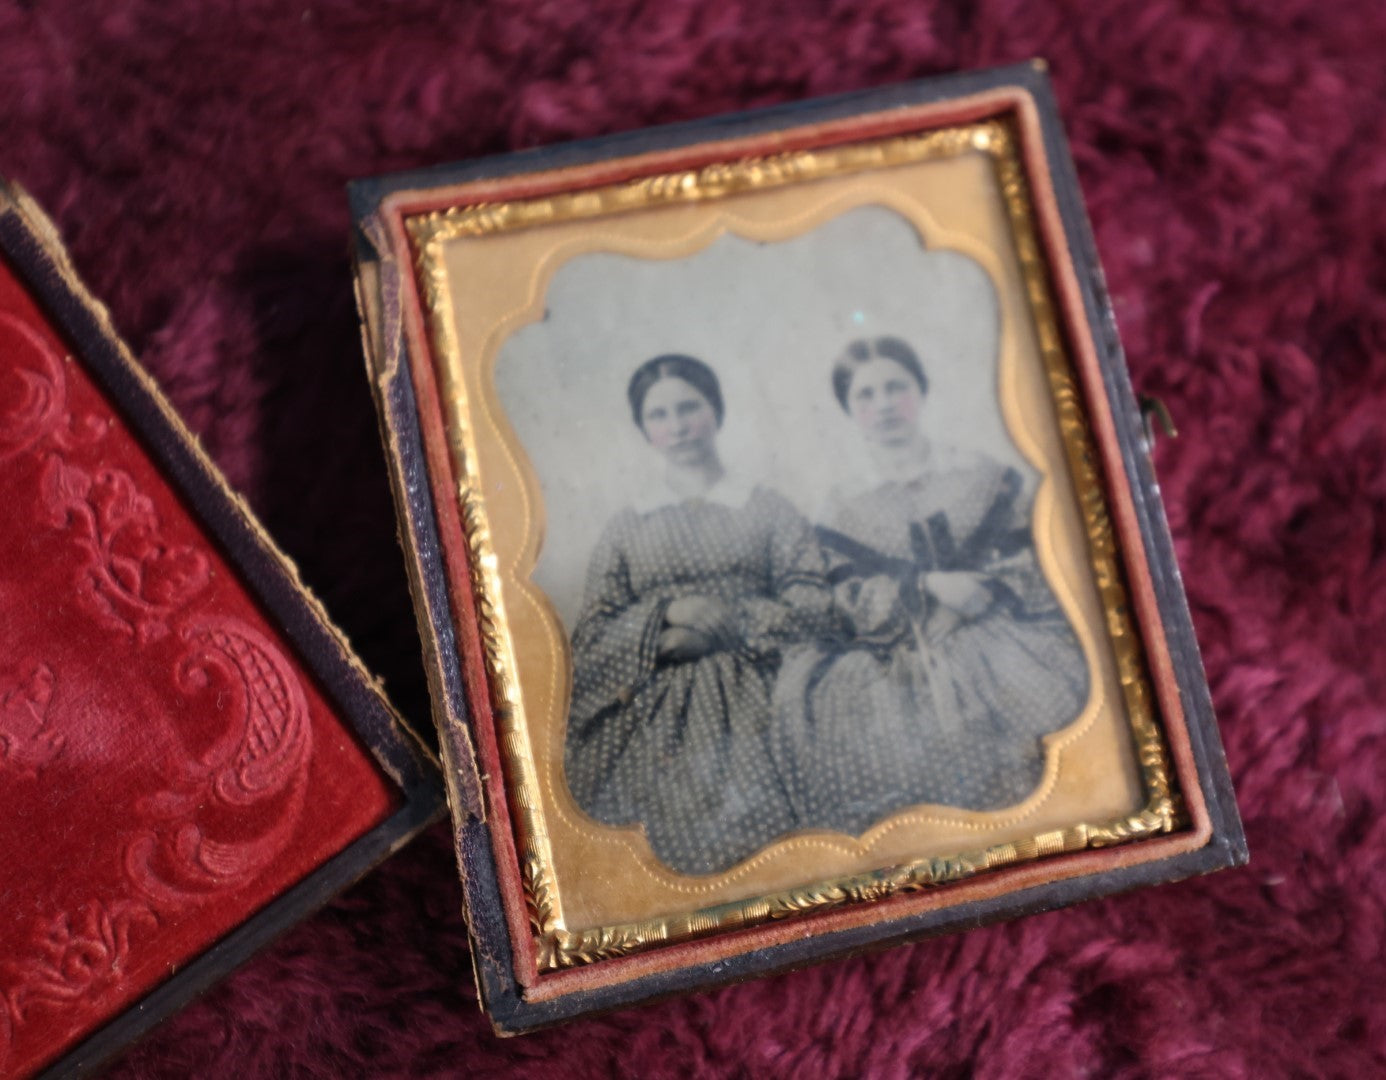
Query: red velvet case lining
167	765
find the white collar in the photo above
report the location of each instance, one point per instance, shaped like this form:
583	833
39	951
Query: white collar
731	490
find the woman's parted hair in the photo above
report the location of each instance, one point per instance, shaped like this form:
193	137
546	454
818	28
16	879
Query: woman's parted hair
862	351
688	368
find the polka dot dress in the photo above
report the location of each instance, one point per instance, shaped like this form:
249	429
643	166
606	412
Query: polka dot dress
886	719
681	747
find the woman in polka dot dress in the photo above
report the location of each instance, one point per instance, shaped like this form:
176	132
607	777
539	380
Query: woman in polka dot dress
960	658
691	598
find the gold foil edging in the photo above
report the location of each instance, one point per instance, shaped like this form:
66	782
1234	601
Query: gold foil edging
559	947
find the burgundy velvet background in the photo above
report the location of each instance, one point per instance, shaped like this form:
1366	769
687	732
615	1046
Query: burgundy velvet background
1234	157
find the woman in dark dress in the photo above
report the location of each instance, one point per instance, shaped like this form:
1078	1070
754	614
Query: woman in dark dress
691	596
959	657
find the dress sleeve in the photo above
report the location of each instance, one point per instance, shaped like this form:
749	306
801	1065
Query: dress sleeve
1005	554
616	637
798	605
866	589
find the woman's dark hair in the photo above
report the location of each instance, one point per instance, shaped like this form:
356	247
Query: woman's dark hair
690	369
863	351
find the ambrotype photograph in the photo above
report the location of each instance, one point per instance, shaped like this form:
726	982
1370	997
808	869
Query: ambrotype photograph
790	539
794	580
772	528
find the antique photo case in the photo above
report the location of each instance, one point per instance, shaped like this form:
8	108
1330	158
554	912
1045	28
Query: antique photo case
790	569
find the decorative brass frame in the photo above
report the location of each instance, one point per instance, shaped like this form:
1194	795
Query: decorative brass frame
560	948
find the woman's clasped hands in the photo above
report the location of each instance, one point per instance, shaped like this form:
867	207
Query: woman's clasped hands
696	626
961	596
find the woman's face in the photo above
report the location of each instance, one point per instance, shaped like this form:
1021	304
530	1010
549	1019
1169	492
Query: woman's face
884	400
679	421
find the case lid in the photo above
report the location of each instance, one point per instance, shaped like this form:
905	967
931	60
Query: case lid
191	758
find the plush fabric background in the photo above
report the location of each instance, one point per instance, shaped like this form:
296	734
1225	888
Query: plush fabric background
1234	157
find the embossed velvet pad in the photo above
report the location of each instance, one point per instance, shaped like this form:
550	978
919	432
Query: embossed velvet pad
167	765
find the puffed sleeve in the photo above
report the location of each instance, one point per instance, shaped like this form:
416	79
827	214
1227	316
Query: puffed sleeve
866	583
1003	550
797	605
617	634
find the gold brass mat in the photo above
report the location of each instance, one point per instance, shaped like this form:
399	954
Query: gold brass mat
1074	539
